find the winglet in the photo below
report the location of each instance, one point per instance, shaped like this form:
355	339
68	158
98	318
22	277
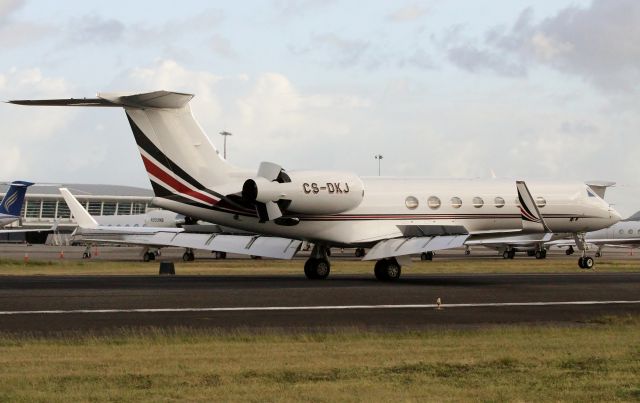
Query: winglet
529	209
83	218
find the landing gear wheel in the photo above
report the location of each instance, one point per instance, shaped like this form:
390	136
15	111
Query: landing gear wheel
387	270
188	257
86	255
317	269
467	252
220	255
569	251
148	256
359	252
509	254
426	256
598	254
541	254
586	263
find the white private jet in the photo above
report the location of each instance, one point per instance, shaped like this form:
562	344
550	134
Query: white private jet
624	234
395	217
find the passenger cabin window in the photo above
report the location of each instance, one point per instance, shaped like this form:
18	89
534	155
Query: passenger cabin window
630	232
433	202
499	201
456	202
478	202
541	202
621	232
411	202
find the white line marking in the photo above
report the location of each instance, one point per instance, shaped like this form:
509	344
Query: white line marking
317	307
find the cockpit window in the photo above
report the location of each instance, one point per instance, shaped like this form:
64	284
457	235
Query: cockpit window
411	202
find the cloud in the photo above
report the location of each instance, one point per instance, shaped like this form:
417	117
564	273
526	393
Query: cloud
408	13
95	29
8	7
599	43
221	46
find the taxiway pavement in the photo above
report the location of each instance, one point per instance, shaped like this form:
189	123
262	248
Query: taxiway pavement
44	304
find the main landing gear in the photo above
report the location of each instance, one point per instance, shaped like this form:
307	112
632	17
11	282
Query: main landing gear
426	256
188	255
317	267
387	270
509	254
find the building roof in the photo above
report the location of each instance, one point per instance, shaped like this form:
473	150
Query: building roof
79	189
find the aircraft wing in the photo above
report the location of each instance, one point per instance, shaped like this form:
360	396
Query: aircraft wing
21	231
515	240
620	242
397	247
265	246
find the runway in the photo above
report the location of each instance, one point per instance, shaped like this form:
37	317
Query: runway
44	304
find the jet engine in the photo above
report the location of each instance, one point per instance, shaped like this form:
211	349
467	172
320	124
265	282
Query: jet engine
274	192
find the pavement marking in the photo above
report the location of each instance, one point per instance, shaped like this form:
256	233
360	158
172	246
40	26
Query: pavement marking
315	308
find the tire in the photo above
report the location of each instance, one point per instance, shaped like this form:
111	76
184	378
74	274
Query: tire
426	256
505	254
185	257
145	257
308	269
581	263
588	263
512	254
317	269
387	270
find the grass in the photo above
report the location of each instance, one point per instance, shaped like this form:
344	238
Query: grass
598	361
270	267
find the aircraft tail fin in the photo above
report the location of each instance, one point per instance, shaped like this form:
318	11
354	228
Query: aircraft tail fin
82	216
531	217
14	198
181	162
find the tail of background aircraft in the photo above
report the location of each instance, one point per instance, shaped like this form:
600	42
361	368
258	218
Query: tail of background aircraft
180	160
12	202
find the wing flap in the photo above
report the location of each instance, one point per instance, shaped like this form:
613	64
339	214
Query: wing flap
411	246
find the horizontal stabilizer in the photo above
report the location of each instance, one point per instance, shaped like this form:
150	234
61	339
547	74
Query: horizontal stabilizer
413	246
600	187
156	99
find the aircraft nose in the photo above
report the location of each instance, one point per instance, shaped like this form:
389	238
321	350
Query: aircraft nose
614	215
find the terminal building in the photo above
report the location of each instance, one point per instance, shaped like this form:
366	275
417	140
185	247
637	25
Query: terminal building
44	205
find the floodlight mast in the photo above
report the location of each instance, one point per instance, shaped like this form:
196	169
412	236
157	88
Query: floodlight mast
379	158
225	134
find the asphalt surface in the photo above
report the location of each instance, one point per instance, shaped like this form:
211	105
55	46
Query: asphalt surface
359	299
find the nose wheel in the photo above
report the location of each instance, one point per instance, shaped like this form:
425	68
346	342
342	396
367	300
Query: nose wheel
586	262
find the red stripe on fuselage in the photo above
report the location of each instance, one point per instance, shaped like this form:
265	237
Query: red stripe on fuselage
159	173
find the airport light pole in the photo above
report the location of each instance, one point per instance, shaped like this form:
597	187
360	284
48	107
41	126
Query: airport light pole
379	158
225	134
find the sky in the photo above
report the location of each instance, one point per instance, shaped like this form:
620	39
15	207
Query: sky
526	89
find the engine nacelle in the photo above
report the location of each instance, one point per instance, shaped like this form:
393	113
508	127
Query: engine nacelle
308	192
